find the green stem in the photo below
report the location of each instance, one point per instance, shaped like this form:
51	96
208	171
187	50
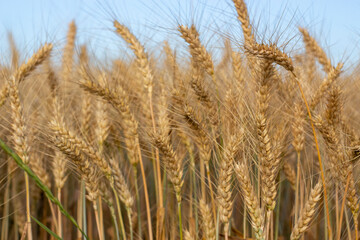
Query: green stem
137	201
113	216
60	232
180	220
83	199
130	224
119	213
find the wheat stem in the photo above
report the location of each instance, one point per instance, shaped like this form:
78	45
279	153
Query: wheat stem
180	219
118	207
137	201
97	219
60	231
28	214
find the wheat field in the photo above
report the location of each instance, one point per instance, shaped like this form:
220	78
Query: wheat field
262	144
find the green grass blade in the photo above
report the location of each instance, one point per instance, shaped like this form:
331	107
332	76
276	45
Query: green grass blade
46	229
37	180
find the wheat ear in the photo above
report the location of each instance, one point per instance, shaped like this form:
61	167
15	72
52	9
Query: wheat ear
313	47
270	53
331	77
243	17
252	202
120	101
26	68
21	145
303	223
197	50
139	51
207	220
171	161
224	190
19	128
68	53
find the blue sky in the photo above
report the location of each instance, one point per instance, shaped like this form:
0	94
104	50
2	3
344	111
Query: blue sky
336	23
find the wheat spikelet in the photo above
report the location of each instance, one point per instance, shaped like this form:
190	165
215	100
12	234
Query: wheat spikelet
266	159
207	220
271	53
201	138
222	66
310	66
269	164
59	160
252	203
331	77
197	84
59	169
20	139
106	194
224	191
316	50
298	128
197	50
121	186
68	53
307	214
15	56
86	101
59	129
238	94
139	51
102	122
332	142
243	17
238	69
66	142
120	101
328	133
171	162
4	94
333	106
26	68
87	117
172	64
